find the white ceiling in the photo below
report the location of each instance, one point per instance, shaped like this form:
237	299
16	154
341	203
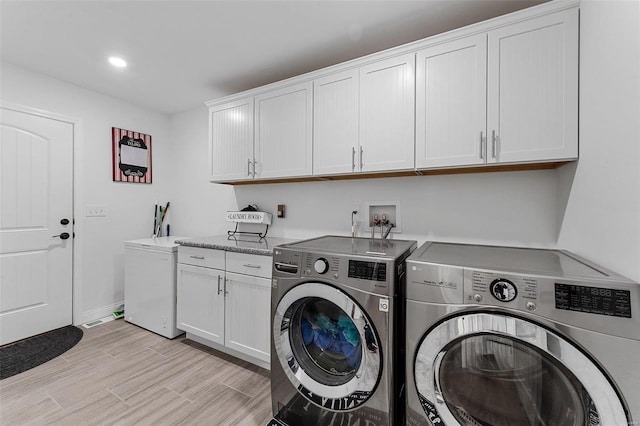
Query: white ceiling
183	53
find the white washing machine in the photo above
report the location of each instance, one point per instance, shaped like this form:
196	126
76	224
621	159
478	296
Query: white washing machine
511	336
335	338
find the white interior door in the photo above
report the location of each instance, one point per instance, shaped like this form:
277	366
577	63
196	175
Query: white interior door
36	182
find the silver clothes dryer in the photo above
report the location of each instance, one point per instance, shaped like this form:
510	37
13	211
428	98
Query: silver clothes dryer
513	336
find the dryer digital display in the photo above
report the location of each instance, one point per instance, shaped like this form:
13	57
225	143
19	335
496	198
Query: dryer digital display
593	300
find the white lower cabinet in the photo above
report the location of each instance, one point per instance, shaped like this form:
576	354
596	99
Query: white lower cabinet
247	316
200	306
227	309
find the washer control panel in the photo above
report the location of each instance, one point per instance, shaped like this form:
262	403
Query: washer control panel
490	288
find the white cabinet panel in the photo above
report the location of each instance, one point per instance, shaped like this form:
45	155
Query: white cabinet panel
533	89
335	123
231	140
451	112
248	314
387	114
201	302
283	132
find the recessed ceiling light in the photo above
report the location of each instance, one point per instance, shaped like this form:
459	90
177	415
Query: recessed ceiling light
117	62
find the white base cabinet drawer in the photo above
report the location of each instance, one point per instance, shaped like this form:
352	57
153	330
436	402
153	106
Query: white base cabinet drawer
249	264
201	257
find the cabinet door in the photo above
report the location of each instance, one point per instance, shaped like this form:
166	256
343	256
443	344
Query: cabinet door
387	114
231	140
451	109
335	123
248	317
283	132
201	302
533	89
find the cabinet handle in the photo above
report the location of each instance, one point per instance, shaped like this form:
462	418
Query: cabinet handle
361	155
248	166
494	142
353	158
248	265
225	286
482	145
219	290
197	257
254	168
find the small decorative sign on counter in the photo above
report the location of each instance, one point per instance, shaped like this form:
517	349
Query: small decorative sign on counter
249	217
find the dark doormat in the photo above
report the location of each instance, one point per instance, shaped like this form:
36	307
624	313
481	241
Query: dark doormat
28	353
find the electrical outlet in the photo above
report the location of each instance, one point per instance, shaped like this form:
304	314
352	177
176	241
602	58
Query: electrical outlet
96	210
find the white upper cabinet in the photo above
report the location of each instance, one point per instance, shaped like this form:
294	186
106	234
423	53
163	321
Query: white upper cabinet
499	92
335	123
507	95
533	89
451	109
387	95
231	140
283	132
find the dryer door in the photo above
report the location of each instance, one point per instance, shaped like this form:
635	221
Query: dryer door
491	369
327	346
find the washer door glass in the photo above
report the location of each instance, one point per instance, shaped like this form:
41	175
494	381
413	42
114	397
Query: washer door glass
493	380
327	346
326	342
498	370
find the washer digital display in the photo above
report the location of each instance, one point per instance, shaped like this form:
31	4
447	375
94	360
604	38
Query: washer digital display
374	271
593	300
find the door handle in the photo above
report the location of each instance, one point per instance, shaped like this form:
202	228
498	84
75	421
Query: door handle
225	286
63	236
248	166
254	168
494	144
483	142
361	160
353	158
219	291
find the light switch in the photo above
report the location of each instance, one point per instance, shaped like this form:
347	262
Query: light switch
96	210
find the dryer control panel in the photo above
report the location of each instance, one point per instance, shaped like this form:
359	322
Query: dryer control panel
490	288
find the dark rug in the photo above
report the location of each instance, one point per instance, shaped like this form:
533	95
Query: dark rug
28	353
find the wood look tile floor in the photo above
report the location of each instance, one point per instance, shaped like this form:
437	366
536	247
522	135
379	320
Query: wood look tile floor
121	374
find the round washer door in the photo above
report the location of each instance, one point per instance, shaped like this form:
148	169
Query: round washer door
327	346
484	368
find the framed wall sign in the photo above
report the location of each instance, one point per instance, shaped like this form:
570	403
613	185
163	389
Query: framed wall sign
131	156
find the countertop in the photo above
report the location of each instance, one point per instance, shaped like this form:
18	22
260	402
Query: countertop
240	244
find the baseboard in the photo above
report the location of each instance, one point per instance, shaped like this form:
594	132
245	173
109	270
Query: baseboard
98	313
232	352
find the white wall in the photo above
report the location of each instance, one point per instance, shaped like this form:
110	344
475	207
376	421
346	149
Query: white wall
601	220
494	208
197	206
99	250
